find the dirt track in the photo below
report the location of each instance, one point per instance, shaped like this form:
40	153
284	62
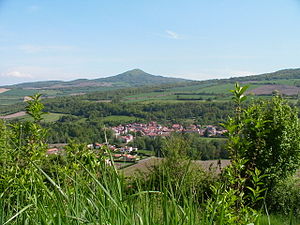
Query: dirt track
2	90
13	115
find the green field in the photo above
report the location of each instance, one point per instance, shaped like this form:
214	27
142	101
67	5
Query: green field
202	92
215	90
9	100
119	119
213	139
193	88
146	152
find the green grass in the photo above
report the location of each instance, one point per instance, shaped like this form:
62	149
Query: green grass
52	117
9	100
119	119
193	88
104	197
223	88
212	91
172	98
146	152
212	139
150	96
278	220
19	92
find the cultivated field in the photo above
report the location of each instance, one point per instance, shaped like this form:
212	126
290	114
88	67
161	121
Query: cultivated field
268	89
2	90
144	166
13	115
48	117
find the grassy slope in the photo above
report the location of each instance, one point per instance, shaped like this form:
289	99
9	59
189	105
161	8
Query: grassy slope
119	119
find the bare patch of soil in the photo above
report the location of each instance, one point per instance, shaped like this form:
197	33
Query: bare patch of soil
2	90
13	115
283	89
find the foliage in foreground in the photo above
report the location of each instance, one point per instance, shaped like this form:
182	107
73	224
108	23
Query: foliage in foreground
264	145
80	188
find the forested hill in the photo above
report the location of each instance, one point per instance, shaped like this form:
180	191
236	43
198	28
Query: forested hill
278	75
139	77
135	77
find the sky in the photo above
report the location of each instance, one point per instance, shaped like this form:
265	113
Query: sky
192	39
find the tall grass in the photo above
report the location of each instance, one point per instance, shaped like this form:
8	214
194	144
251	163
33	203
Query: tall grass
104	197
95	199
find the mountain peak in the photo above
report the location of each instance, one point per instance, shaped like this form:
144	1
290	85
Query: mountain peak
136	77
134	72
137	70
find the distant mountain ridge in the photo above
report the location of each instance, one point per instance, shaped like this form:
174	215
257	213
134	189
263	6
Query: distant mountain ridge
135	82
135	77
277	75
138	76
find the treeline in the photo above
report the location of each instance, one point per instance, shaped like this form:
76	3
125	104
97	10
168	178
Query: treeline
204	113
281	74
81	132
198	148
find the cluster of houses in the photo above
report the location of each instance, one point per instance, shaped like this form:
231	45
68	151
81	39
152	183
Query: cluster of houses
153	129
113	148
124	153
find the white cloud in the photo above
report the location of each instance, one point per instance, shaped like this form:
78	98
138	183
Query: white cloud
172	34
16	74
43	48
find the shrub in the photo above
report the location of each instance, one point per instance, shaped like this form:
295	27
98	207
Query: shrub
266	136
178	175
285	197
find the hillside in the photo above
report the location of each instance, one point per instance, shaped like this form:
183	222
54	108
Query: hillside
286	82
49	89
135	77
278	75
137	85
139	77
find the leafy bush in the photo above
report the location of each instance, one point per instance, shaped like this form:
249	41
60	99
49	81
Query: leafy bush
266	136
285	197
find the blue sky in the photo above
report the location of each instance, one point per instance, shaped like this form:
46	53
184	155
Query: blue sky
195	39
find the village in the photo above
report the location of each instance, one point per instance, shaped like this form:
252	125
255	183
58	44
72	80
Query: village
128	132
153	129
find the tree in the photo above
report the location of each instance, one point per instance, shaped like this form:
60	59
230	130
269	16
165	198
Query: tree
266	136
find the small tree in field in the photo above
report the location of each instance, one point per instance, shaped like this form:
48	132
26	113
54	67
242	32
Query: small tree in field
266	136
